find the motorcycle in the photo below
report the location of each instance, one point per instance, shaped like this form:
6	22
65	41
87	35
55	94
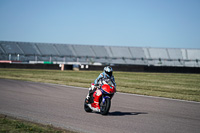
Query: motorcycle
100	98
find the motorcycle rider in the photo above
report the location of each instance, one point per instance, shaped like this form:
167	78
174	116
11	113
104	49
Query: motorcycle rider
106	74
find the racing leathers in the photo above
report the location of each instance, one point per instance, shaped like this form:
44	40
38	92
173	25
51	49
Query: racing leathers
105	76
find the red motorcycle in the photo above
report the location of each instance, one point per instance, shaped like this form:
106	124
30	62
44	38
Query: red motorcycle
100	99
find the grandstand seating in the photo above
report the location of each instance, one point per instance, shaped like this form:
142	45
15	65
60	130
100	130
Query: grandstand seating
193	54
100	51
137	52
11	48
135	61
191	63
117	61
29	48
175	54
120	52
89	54
64	50
47	49
108	51
83	51
1	51
158	53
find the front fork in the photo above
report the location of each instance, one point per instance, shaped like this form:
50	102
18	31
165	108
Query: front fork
104	98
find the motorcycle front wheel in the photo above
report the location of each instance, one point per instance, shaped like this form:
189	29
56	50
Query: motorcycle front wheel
105	107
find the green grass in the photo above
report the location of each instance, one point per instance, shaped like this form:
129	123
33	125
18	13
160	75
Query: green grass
170	85
12	125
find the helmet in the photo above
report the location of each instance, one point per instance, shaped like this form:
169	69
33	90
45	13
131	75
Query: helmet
108	70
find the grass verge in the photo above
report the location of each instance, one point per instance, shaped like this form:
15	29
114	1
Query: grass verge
170	85
13	125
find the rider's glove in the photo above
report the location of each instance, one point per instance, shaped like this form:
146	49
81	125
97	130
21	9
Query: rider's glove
96	85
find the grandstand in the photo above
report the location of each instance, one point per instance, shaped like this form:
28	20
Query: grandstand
30	52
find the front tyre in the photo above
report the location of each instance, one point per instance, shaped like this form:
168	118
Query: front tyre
86	107
105	107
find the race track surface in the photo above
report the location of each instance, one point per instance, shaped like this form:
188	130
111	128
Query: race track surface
62	106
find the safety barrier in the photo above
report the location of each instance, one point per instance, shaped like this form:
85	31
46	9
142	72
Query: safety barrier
126	68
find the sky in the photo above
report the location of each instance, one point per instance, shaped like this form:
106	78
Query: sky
137	23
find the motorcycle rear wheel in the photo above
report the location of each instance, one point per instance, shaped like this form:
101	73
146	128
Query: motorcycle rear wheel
104	108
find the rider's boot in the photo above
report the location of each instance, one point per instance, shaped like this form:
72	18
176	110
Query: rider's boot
88	95
90	91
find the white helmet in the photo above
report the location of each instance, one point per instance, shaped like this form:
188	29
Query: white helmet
108	70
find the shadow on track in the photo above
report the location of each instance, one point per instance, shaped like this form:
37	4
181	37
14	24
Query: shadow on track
118	113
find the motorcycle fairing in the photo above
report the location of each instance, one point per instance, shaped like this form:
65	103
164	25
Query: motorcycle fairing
97	94
93	108
108	89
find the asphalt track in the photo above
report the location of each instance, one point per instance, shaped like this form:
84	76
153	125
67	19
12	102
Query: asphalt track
62	106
